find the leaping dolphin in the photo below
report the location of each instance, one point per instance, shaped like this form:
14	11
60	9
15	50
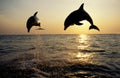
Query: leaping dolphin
79	15
32	21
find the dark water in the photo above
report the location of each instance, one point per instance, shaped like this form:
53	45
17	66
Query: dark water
60	56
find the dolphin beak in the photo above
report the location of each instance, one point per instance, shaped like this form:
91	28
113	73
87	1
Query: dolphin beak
28	30
65	28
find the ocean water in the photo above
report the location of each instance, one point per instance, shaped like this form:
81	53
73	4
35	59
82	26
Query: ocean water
60	56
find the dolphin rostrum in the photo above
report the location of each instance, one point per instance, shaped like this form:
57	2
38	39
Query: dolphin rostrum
32	21
79	15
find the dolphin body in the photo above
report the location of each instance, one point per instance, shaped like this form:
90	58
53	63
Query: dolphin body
32	21
79	15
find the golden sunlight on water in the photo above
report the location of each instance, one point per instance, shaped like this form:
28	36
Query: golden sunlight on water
84	57
82	38
83	41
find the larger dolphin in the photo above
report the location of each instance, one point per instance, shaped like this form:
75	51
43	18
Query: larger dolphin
32	21
79	15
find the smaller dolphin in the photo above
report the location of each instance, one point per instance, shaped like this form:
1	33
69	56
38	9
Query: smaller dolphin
79	15
32	21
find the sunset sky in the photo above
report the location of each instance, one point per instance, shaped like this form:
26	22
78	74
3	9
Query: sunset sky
52	13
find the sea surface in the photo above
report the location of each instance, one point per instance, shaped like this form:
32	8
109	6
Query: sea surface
60	56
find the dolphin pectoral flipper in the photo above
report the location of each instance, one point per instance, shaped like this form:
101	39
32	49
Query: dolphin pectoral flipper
77	16
78	23
32	21
37	24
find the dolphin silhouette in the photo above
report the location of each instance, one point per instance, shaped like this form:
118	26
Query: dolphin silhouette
32	21
79	15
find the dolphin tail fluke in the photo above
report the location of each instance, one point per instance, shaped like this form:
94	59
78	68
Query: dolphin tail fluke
94	27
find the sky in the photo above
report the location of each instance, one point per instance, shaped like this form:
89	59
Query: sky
52	14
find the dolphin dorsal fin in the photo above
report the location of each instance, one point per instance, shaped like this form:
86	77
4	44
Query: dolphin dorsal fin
35	13
81	7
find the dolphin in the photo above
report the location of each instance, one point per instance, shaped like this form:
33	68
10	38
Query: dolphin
32	21
79	15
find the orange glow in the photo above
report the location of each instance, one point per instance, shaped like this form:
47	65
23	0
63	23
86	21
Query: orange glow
14	14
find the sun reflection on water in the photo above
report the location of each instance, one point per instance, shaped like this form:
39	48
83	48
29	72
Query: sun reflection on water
83	41
82	38
83	44
84	57
81	55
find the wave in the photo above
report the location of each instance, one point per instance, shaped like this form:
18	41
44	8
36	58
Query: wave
59	56
15	49
38	70
92	50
